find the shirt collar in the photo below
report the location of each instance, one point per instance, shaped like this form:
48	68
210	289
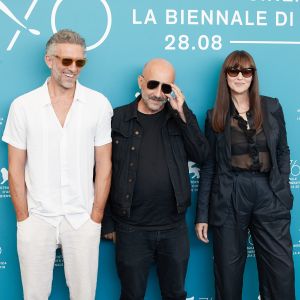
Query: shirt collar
131	113
78	96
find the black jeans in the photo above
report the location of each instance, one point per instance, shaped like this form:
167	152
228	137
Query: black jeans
255	207
137	249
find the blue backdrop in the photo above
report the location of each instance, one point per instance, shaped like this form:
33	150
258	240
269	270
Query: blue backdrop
195	36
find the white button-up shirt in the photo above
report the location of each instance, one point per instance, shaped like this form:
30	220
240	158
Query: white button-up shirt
60	160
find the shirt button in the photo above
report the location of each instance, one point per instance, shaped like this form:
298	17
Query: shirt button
127	196
116	141
130	180
123	212
136	132
132	148
131	164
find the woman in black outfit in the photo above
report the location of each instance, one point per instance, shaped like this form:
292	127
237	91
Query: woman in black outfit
245	185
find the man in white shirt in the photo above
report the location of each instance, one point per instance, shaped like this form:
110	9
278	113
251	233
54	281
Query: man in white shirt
56	134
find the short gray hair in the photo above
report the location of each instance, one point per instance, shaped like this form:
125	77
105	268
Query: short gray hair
65	36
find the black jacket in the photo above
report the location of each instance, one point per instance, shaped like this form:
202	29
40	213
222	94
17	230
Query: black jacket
217	178
182	142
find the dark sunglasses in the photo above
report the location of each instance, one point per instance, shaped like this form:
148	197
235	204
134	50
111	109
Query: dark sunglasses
153	84
246	72
65	61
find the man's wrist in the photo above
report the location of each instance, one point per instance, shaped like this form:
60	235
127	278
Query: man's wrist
182	116
97	214
22	216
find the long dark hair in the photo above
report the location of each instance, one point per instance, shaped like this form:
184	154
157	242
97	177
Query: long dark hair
237	59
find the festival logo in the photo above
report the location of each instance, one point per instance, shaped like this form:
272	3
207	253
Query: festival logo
4	189
296	246
194	172
102	38
3	264
4	176
21	24
295	173
250	246
59	260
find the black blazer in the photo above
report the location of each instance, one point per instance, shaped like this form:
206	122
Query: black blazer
216	179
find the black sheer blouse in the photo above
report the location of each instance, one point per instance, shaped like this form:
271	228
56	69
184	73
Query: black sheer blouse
249	149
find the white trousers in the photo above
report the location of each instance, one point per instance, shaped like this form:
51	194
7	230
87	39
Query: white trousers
37	244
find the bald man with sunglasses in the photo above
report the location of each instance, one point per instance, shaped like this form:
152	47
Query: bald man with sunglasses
153	139
56	134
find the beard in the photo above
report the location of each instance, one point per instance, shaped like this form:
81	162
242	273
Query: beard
153	103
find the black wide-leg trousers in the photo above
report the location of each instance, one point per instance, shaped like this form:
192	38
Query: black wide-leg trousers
254	207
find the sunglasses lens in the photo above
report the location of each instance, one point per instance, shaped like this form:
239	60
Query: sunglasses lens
166	88
248	72
80	63
233	72
66	61
152	84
